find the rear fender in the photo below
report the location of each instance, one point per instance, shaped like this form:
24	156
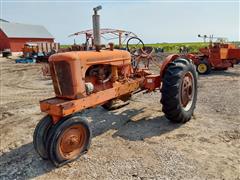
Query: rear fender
166	62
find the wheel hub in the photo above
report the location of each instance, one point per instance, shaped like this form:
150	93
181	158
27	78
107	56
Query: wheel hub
187	91
72	141
202	68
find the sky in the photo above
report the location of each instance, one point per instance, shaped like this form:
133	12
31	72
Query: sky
153	21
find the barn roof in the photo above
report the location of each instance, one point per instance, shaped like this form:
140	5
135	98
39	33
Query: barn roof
3	20
17	30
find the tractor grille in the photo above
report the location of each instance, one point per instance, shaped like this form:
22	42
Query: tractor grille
62	78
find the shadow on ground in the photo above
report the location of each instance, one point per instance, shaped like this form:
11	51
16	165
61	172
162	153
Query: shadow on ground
102	121
222	73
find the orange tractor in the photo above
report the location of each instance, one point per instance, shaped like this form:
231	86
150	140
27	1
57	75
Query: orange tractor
86	79
218	55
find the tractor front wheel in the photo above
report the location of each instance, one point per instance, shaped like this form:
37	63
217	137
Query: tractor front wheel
179	91
204	67
68	140
40	136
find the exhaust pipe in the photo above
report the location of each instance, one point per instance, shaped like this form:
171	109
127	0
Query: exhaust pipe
96	28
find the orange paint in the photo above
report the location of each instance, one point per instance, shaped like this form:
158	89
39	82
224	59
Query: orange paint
69	72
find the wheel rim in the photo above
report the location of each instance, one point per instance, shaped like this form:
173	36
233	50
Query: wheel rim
187	91
202	68
72	141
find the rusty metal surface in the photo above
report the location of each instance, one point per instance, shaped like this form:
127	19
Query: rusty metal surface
90	67
59	107
107	34
165	63
234	54
109	72
152	82
114	33
71	83
219	55
187	91
72	141
63	77
93	57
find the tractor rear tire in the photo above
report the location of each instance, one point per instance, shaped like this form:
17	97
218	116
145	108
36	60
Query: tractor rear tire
179	91
68	140
204	67
40	136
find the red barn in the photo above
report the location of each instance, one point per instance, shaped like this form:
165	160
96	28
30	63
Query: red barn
13	36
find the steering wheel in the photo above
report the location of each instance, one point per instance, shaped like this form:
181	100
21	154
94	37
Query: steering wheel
134	44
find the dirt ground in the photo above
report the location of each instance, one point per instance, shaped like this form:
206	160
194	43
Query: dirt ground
134	142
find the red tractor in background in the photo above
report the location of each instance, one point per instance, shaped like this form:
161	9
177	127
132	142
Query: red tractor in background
218	55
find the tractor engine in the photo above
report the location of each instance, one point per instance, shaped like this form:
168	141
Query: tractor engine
78	74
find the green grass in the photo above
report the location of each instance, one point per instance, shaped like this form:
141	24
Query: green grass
65	45
173	47
170	47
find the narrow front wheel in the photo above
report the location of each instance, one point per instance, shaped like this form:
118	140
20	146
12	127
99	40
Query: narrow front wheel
68	140
40	136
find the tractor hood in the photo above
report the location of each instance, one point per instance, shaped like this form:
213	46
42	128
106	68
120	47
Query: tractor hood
114	57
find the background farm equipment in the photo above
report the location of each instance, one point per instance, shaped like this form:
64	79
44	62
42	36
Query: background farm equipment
218	55
38	52
121	36
86	79
25	60
6	53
